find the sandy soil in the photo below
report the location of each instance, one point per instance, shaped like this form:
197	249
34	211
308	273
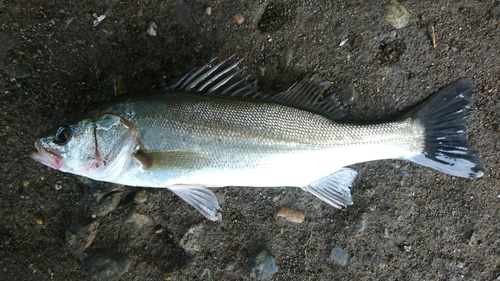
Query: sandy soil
408	222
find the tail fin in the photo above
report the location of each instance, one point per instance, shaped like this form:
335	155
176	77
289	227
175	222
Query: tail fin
444	117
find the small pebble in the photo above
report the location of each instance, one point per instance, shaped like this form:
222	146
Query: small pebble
264	266
159	230
339	256
26	183
190	241
208	11
291	215
152	27
39	221
396	15
58	185
106	205
348	94
98	19
138	219
287	55
120	85
141	196
239	18
80	237
107	267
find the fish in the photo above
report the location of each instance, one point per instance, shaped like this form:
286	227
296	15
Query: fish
215	128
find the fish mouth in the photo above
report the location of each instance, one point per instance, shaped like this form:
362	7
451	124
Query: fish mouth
47	157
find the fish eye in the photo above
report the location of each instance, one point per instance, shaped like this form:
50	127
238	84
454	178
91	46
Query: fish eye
63	135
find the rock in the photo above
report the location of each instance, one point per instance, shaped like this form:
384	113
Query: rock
189	241
264	266
348	94
107	196
396	15
79	237
339	256
138	219
239	18
98	19
106	205
107	267
141	196
152	27
291	215
287	56
120	85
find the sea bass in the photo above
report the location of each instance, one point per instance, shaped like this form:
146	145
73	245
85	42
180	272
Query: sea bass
212	128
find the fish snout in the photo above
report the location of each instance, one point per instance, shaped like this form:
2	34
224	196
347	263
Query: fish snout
49	158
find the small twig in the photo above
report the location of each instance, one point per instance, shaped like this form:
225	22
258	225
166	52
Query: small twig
67	72
433	37
433	40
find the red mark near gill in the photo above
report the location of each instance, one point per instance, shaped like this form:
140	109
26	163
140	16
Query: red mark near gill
97	154
57	163
98	158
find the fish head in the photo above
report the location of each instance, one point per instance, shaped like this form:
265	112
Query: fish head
98	147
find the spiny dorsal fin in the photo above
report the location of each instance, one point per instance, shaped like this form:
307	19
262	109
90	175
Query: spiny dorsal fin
226	79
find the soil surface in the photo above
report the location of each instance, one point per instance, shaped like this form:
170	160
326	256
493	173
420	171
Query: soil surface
59	59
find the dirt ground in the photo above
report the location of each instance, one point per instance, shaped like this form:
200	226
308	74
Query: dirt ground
408	222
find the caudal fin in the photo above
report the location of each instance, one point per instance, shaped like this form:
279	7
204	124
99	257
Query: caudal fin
444	117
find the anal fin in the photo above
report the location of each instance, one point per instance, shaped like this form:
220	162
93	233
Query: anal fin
202	199
334	189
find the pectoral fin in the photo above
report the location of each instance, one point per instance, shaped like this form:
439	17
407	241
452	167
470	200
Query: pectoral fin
202	199
334	189
171	160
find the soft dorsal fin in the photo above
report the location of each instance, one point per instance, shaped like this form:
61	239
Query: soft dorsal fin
308	95
226	79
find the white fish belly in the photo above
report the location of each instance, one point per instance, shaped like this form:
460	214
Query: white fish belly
296	169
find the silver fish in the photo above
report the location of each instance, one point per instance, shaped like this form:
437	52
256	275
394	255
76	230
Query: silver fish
212	128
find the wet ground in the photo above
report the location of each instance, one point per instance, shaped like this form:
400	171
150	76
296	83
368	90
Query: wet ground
61	58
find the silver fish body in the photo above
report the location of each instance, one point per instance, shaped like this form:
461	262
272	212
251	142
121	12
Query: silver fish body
212	130
235	142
